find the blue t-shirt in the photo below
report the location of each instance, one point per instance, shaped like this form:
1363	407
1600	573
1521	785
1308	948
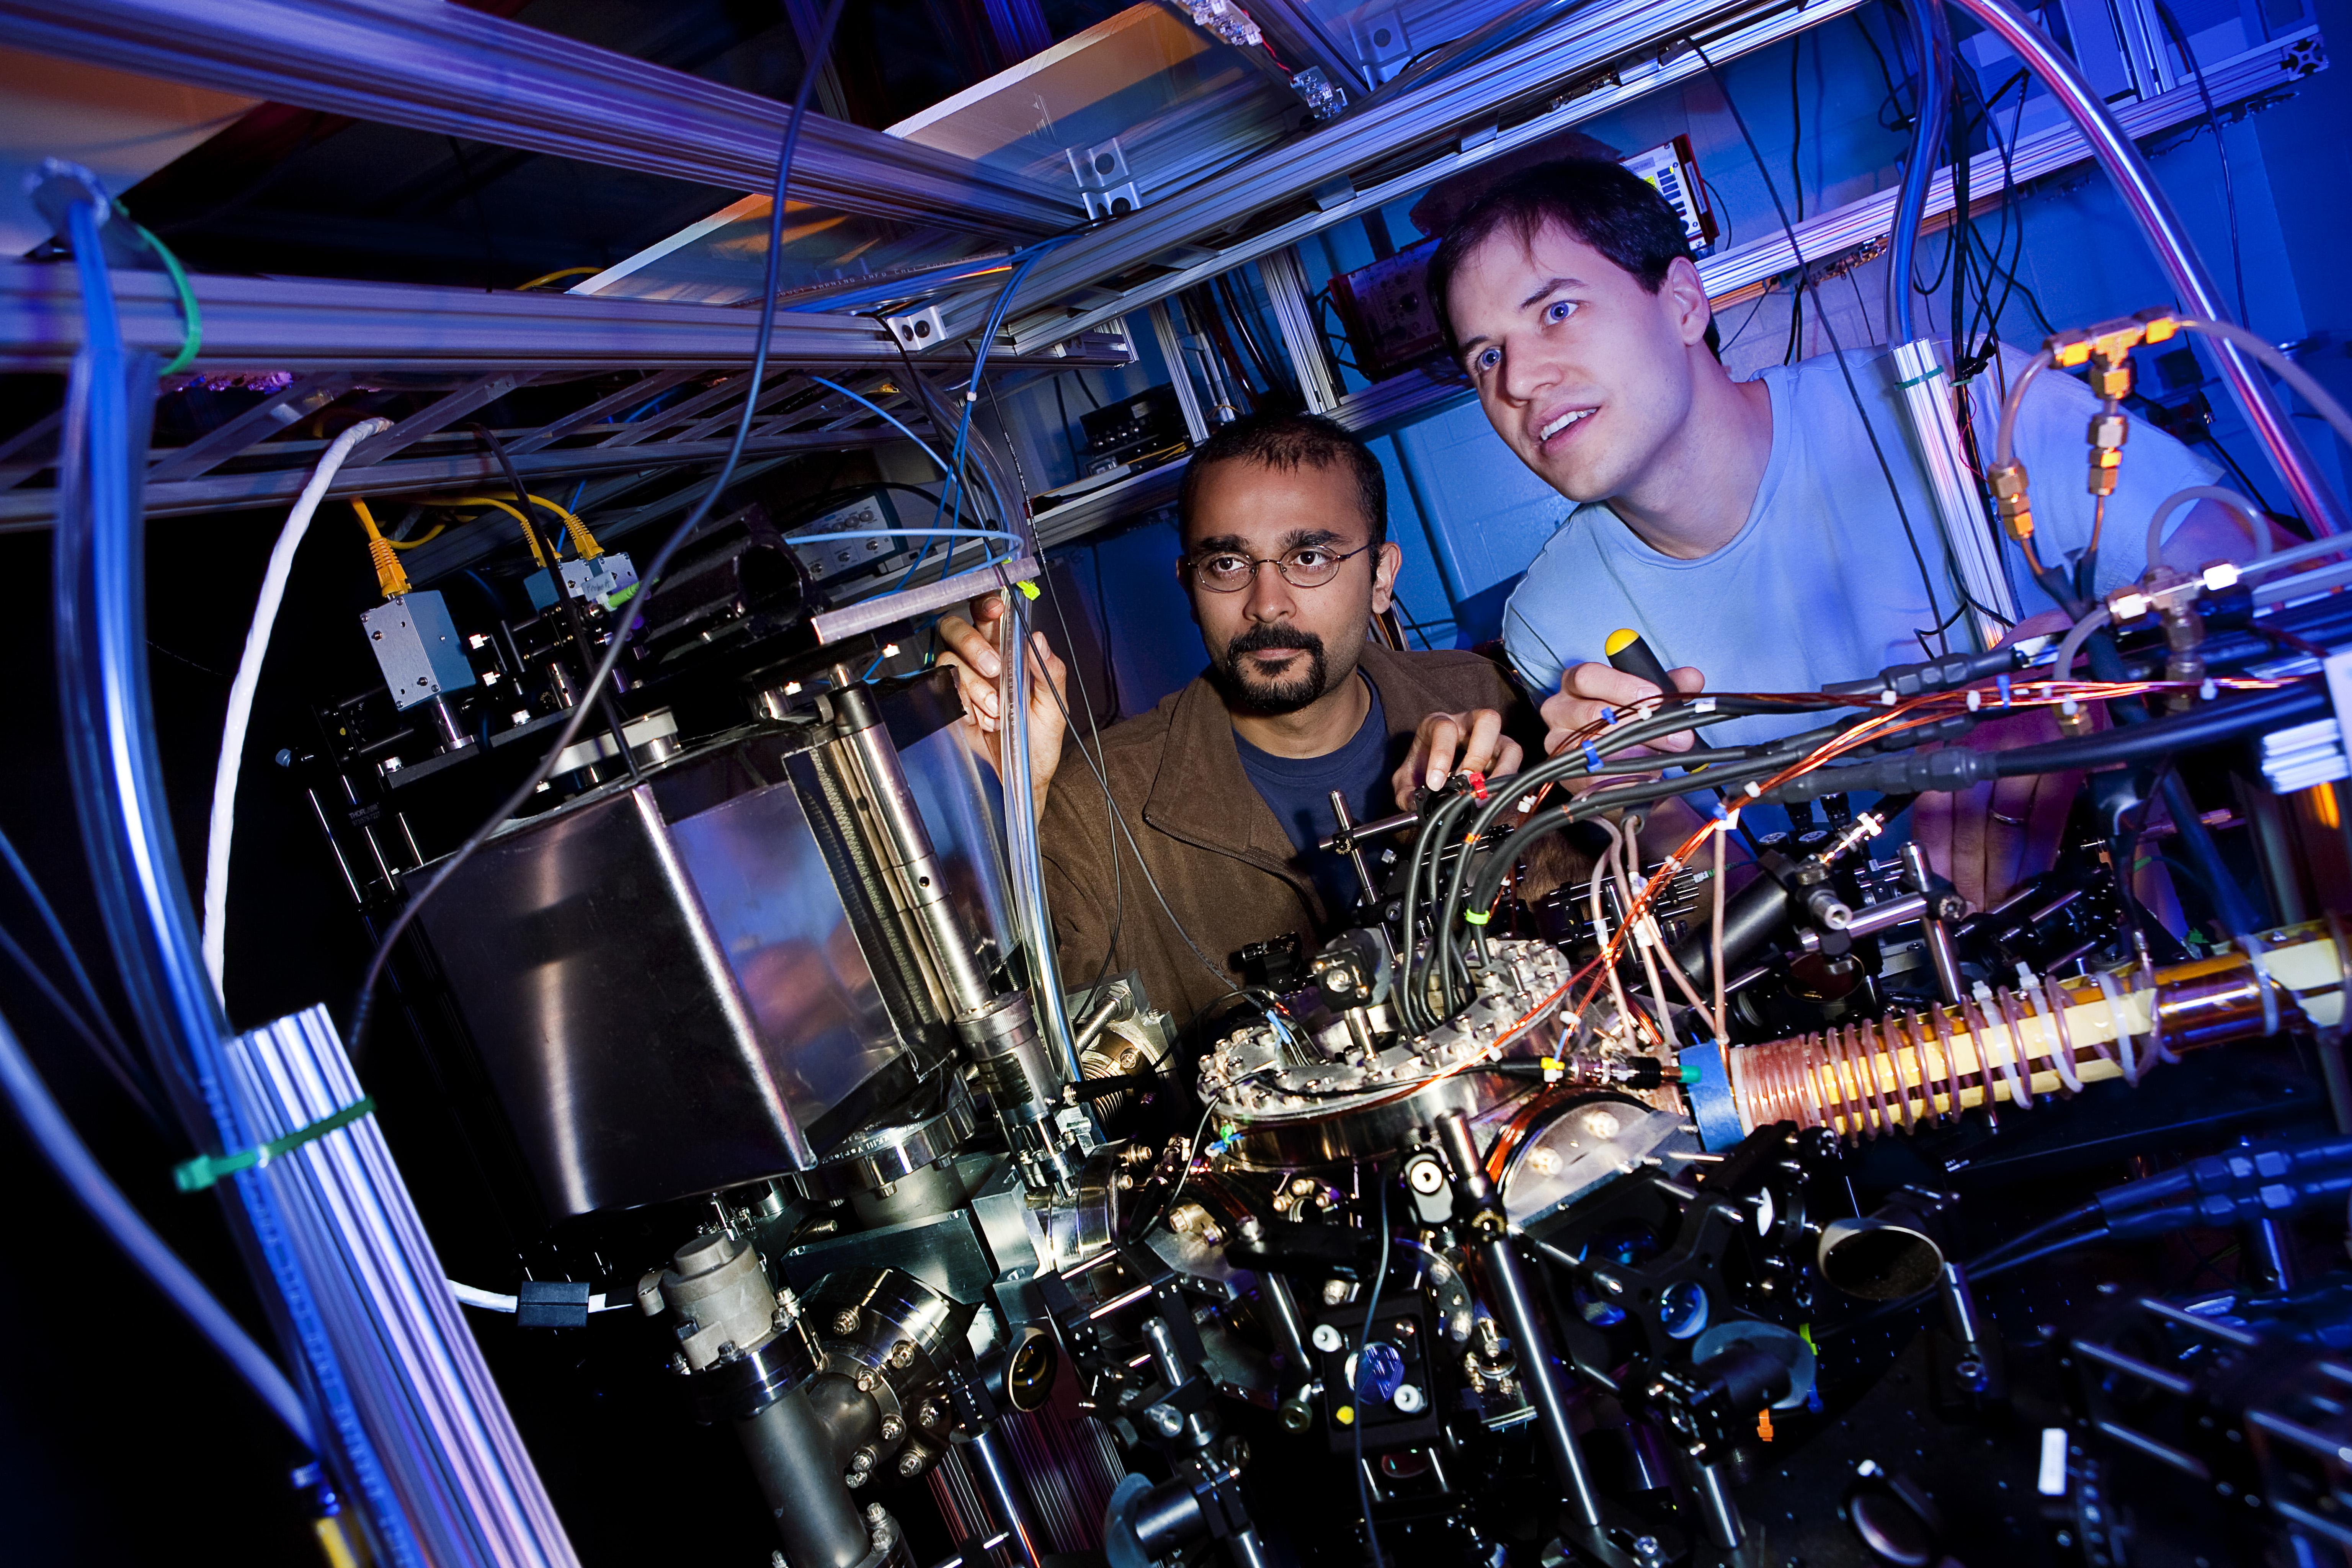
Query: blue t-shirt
1299	791
1820	584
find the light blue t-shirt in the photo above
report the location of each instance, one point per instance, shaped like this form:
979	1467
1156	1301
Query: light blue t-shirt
1820	583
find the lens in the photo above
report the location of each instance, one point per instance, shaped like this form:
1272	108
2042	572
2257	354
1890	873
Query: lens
1324	567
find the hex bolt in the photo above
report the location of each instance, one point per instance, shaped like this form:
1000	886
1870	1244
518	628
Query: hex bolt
864	1458
910	1463
1334	1293
876	1513
893	1428
902	1354
845	1321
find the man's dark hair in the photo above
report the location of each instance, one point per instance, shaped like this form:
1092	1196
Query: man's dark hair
1282	440
1601	203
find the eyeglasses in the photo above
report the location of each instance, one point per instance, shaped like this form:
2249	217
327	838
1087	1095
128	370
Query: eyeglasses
1308	566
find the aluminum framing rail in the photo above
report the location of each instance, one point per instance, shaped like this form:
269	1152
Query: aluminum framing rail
1619	43
310	324
441	67
1736	273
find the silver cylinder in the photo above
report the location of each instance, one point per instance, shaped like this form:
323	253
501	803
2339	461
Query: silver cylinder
893	827
996	1473
792	1455
1017	1069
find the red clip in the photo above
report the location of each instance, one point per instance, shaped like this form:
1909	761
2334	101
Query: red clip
1478	786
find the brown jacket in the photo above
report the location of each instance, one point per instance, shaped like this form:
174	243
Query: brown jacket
1221	859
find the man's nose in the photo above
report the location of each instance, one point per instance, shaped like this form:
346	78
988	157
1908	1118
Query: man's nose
1527	371
1268	596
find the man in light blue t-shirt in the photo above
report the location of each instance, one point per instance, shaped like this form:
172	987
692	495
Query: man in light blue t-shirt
1749	531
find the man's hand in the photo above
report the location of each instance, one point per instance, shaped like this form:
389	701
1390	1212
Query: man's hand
1990	838
1586	691
971	650
1476	737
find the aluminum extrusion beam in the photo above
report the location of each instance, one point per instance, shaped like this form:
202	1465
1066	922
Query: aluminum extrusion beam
309	324
1619	41
21	509
2120	157
442	68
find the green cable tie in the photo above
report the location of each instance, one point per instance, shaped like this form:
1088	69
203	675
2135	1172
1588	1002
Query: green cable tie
196	1175
1930	374
1477	917
194	332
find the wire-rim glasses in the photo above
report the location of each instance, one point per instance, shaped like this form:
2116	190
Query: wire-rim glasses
1230	571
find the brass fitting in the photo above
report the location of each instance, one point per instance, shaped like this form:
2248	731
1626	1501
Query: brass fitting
2008	484
2111	341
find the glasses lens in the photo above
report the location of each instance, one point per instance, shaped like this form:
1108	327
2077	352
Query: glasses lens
1311	568
1225	574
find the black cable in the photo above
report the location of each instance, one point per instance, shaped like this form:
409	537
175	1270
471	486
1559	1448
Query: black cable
363	1003
122	1071
2220	148
1363	1342
1103	781
99	1017
1086	699
2028	1238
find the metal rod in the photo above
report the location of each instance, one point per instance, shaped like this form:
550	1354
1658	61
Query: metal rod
1004	1491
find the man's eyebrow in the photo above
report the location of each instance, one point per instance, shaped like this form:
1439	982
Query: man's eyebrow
1301	538
1233	542
1552	287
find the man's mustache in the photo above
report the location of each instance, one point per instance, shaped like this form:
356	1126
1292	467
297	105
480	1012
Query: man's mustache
1261	639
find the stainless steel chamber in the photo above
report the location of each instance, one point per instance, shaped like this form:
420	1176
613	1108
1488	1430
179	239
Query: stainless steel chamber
714	974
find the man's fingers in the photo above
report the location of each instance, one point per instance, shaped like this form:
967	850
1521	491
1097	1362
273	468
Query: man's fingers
1439	736
1507	758
1479	751
1605	684
971	645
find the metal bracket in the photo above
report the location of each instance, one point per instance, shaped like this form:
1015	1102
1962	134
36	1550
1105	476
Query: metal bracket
1105	183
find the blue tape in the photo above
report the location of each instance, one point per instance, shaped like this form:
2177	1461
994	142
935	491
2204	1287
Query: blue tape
1710	1096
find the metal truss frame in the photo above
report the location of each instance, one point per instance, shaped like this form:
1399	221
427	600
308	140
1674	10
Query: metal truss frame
459	72
1589	63
321	326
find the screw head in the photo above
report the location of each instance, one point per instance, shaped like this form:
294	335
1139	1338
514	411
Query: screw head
893	1428
911	1462
1645	1545
876	1512
845	1321
1334	1293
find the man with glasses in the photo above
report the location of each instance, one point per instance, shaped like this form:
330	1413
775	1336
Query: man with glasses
1199	837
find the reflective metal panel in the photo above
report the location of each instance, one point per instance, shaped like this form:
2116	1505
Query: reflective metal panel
770	902
607	1014
964	808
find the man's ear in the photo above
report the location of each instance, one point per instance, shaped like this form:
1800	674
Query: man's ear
1386	563
1685	295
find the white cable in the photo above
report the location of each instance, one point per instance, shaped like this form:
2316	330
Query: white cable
492	1301
248	677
